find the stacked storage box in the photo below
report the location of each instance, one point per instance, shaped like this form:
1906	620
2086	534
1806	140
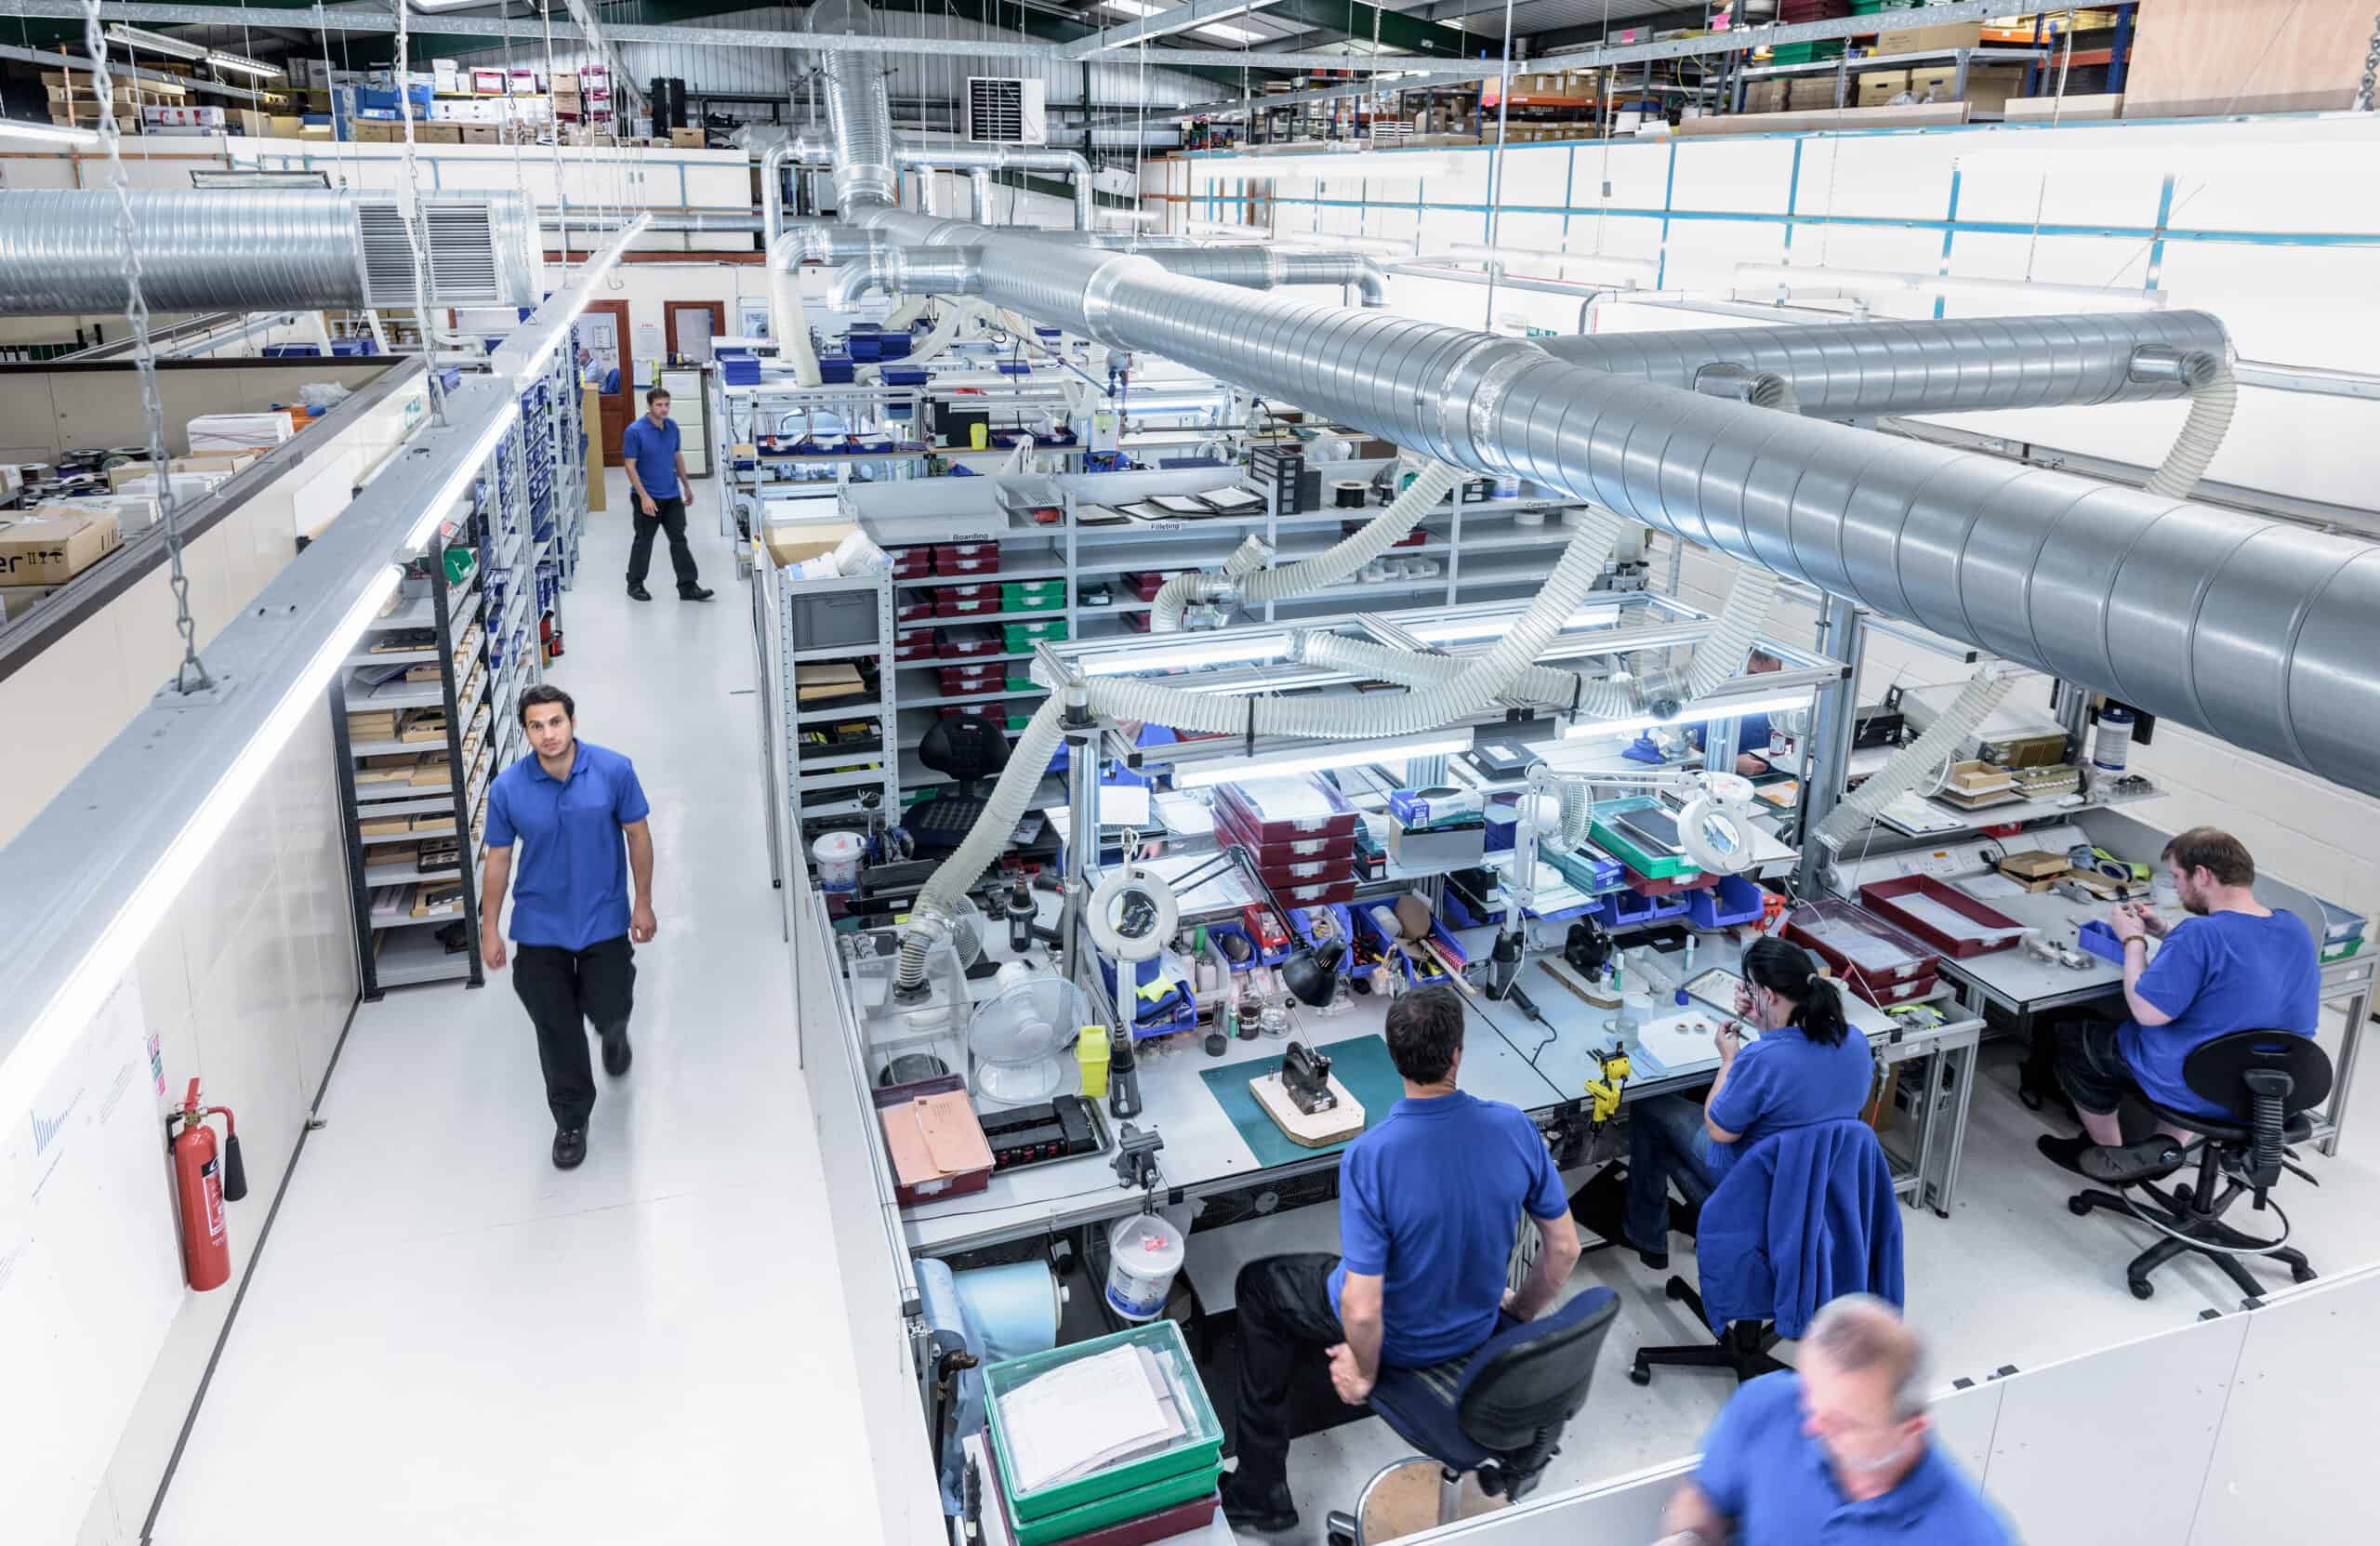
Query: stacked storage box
1300	833
1876	960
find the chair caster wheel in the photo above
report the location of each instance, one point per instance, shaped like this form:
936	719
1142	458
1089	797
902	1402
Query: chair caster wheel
1640	1374
2141	1287
1339	1527
2303	1275
1675	1287
2077	1206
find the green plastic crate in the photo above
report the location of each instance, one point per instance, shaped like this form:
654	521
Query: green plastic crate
1033	596
1023	684
1805	53
1019	637
1177	1475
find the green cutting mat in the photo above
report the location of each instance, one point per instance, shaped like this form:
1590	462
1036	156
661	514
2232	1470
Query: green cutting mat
1361	1063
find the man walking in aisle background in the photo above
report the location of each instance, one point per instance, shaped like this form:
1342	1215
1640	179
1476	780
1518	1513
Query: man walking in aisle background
658	479
582	814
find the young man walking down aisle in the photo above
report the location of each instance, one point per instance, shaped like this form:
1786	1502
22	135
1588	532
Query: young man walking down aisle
658	479
581	812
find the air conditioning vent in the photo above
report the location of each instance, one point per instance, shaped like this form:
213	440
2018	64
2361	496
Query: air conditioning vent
1003	110
477	252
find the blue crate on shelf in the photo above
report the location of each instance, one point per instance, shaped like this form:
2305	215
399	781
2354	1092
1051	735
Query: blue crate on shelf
1735	899
835	368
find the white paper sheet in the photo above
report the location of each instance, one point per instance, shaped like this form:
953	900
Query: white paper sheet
1071	1420
1989	888
1938	915
1680	1042
1857	945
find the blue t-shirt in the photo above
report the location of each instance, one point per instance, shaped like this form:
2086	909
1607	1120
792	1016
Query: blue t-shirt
1429	1202
2216	974
1783	1079
571	888
1778	1487
655	454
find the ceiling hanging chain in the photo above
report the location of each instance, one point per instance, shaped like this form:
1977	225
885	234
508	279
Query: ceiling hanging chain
192	675
417	218
2364	96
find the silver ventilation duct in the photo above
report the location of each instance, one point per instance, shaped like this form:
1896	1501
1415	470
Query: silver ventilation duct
934	271
859	114
257	249
1859	370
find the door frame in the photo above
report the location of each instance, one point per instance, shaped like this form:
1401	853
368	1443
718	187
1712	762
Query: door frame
618	408
670	310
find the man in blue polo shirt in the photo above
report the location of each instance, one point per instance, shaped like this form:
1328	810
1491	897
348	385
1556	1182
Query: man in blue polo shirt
1430	1201
2233	965
581	812
1838	1449
657	484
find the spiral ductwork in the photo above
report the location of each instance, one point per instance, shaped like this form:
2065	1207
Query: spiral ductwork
1253	268
1862	370
61	251
859	114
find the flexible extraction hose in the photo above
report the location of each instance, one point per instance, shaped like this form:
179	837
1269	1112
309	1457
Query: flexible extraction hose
1480	683
1549	685
1725	649
2213	394
1327	568
1921	759
786	323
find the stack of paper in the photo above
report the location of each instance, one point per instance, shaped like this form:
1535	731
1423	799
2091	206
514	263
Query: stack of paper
1083	1417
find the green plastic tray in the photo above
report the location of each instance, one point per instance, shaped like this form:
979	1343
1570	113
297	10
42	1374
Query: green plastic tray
1613	842
1184	1472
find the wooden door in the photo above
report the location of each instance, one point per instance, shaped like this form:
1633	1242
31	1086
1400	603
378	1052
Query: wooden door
687	341
603	332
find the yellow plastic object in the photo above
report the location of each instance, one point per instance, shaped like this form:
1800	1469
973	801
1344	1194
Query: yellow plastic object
1613	1067
1091	1056
978	436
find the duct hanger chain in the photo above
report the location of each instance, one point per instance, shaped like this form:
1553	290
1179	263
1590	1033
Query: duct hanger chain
192	675
2364	100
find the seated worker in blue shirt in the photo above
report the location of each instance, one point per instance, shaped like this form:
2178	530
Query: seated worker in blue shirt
1806	1066
1430	1201
1752	731
2233	965
1837	1449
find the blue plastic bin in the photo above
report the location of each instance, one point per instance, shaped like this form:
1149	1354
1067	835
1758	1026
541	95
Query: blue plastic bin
1734	900
1630	909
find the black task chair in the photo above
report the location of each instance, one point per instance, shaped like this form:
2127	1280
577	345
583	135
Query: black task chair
2268	1081
965	748
1499	1412
1807	1216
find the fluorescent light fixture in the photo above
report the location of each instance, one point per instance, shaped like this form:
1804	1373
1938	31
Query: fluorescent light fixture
13	129
1129	7
1788	277
1703	712
156	42
110	956
1396	166
1133	217
240	64
1628	268
1232	227
457	481
1378	247
1310	758
1229	35
1191	651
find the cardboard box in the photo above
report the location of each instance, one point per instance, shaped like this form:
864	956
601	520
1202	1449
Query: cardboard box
823	682
2065	109
285	125
54	543
566	80
438	134
688	140
489	81
797	542
1923	40
481	134
316	131
376	131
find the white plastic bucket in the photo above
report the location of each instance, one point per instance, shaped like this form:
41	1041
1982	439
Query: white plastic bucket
838	855
1143	1252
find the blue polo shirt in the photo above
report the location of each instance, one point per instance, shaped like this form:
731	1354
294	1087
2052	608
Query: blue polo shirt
2216	974
571	888
1783	1079
655	453
1429	1201
1777	1487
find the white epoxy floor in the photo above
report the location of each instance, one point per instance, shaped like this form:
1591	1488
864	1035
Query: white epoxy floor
449	1339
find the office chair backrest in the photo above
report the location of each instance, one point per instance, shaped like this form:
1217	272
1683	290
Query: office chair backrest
1806	1216
2263	1078
1530	1379
966	749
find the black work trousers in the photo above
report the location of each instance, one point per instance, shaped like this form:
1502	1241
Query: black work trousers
668	515
1286	1319
564	990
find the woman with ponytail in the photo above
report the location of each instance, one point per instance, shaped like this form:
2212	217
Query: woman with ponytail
1805	1066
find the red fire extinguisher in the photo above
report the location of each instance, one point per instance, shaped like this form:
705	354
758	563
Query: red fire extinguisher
203	1189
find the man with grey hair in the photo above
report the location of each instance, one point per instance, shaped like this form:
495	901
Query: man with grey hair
1838	1449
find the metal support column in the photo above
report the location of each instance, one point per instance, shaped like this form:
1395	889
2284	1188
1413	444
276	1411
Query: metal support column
1828	765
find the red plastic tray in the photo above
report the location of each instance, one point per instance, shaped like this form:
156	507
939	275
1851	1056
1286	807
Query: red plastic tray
967	609
1883	898
967	592
1245	804
1912	977
1304	849
943	566
945	551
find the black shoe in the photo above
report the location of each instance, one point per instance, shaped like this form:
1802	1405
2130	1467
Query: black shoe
616	1054
695	593
1268	1512
1656	1260
2065	1153
639	593
570	1147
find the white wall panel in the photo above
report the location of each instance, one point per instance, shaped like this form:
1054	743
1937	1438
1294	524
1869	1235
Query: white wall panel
1752	175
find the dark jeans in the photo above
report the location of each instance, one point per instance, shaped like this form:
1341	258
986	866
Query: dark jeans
1285	1318
2091	1067
669	515
563	990
1666	1141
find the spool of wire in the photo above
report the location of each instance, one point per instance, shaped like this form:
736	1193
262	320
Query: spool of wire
1349	493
